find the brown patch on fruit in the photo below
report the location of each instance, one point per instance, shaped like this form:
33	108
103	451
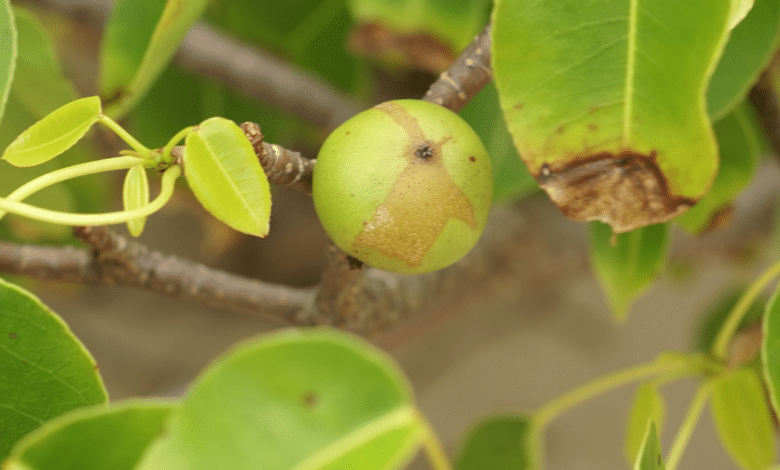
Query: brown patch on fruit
417	50
627	190
421	201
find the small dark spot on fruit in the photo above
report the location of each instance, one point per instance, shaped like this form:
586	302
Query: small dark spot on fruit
472	158
592	127
346	133
310	399
424	151
559	130
518	106
12	335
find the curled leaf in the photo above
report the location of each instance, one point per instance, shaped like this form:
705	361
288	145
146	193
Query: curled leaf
135	194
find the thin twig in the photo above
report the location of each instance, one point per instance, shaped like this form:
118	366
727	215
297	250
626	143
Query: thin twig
469	74
282	166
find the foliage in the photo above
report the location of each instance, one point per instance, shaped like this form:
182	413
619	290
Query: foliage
627	112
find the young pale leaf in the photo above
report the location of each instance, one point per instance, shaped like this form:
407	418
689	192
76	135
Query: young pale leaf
606	103
627	263
739	145
501	442
122	47
751	46
45	370
303	400
135	194
38	68
648	406
743	419
223	171
770	349
54	134
7	53
649	455
97	438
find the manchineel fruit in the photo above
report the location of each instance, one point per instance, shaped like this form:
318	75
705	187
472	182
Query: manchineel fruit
405	186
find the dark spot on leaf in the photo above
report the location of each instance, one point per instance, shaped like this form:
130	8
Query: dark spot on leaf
559	130
472	158
310	399
346	133
518	106
592	127
12	335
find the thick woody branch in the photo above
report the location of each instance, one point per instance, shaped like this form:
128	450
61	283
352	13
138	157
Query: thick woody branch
114	260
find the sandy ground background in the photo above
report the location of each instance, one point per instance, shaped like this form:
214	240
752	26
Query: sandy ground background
520	341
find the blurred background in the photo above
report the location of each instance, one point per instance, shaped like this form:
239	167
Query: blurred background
536	329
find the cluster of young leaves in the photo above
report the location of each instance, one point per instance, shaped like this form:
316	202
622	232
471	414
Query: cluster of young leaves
221	166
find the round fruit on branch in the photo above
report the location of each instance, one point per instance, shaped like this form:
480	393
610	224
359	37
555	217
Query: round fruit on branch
405	186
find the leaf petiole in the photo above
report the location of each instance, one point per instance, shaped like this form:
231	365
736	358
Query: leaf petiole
64	174
66	218
123	134
688	366
433	448
730	326
166	151
688	425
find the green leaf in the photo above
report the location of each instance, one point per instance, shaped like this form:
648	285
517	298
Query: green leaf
627	263
38	68
135	194
133	56
649	455
739	145
511	180
54	134
45	369
770	349
743	419
97	438
749	49
226	177
502	442
648	407
312	399
605	101
7	53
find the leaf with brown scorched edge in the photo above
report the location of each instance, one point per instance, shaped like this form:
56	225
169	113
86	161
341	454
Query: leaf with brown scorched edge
627	263
606	101
225	176
739	147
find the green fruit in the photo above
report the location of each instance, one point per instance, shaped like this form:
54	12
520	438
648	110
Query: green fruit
405	186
